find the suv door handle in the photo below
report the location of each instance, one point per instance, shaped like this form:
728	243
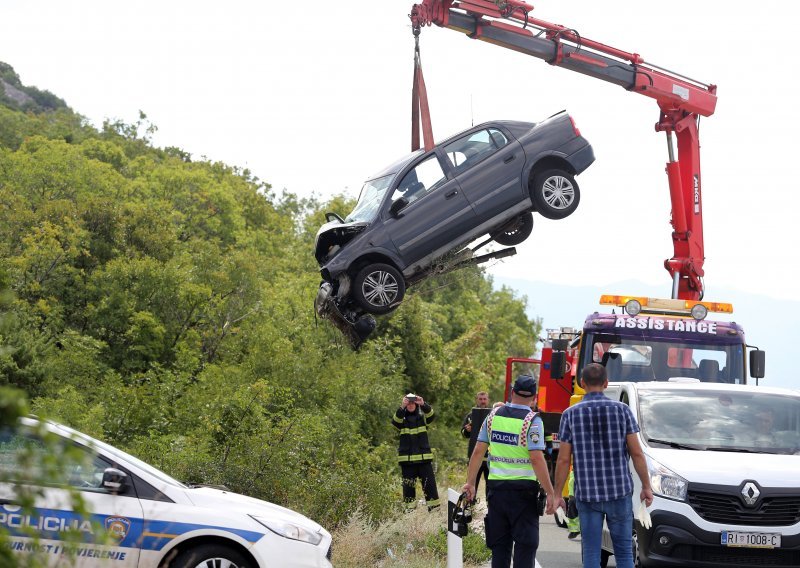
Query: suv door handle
509	159
450	194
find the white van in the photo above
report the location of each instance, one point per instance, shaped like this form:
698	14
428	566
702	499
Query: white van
724	462
139	515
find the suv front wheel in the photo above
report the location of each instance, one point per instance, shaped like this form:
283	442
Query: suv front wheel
378	288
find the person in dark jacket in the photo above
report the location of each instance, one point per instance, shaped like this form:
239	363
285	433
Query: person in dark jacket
414	451
467	427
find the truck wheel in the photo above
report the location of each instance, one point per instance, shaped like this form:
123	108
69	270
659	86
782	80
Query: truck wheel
555	193
210	555
515	232
378	288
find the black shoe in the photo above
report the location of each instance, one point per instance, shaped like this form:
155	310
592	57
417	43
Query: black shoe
573	535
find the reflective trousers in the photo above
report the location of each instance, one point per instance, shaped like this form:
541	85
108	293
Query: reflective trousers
424	472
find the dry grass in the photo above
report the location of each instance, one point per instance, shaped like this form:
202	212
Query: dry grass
397	542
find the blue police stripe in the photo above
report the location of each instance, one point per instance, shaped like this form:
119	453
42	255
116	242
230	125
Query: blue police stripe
147	535
156	534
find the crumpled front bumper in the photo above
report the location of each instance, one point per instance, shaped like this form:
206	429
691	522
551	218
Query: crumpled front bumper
354	326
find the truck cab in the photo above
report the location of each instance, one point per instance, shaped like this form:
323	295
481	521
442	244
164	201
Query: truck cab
653	339
649	339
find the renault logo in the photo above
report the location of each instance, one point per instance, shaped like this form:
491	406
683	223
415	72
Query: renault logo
750	493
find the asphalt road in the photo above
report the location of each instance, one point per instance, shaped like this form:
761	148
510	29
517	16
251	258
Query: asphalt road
555	549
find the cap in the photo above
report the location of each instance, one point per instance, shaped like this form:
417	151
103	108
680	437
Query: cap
525	385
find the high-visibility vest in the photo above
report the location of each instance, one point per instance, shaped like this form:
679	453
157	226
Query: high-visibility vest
509	458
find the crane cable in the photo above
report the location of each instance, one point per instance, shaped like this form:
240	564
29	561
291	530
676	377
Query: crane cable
419	104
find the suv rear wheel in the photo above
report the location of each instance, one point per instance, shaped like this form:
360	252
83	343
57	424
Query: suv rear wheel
378	288
555	193
515	232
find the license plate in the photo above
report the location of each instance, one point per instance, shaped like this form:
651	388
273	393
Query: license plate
751	539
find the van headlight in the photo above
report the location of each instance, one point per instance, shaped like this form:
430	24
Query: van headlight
293	531
666	482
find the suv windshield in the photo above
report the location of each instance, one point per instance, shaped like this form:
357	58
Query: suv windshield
721	420
370	199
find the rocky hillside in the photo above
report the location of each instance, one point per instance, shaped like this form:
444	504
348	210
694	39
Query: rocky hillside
17	96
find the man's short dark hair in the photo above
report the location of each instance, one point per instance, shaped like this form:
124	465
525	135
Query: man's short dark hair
594	375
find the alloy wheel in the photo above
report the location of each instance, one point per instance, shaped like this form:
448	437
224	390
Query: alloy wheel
558	192
380	288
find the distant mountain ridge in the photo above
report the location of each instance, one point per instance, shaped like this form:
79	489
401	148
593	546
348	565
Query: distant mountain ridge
15	95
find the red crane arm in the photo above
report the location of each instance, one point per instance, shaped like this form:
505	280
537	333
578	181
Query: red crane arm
681	101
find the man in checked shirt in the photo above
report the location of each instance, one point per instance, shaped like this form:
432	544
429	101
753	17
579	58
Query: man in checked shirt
598	435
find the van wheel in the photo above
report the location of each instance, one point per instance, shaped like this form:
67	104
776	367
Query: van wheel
210	556
515	232
378	288
555	193
635	545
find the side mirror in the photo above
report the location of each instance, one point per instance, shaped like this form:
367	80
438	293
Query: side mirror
757	363
114	480
398	205
558	365
558	360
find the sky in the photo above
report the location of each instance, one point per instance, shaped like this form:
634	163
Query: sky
315	98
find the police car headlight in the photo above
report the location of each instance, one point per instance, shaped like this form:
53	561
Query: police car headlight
290	530
666	482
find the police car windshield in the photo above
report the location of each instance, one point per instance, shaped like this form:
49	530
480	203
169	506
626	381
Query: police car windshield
123	458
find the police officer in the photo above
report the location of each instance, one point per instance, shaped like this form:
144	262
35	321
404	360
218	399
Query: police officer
514	436
414	451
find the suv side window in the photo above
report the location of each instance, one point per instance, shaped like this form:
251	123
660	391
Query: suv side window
26	458
473	148
424	178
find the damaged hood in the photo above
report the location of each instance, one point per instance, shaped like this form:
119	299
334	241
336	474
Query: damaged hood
332	236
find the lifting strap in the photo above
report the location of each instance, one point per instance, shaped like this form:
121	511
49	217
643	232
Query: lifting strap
419	104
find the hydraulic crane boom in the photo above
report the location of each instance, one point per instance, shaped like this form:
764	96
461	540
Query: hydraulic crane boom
681	102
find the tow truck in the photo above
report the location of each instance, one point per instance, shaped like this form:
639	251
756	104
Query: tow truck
649	338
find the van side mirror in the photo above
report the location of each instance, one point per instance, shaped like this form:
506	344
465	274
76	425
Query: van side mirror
398	205
558	365
757	363
115	480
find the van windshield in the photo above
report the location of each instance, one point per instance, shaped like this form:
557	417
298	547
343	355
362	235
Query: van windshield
721	420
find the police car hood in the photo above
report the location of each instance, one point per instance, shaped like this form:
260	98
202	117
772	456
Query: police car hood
216	498
729	468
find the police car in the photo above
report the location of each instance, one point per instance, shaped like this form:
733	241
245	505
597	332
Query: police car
134	514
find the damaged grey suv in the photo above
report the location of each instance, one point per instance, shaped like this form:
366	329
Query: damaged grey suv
430	205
